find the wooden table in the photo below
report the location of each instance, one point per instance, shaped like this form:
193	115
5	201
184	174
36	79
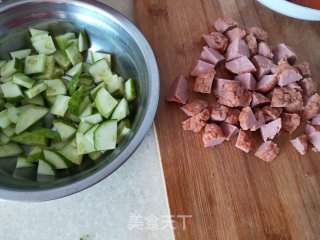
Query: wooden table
230	195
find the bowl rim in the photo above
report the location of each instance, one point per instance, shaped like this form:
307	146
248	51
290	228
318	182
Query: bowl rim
38	195
292	10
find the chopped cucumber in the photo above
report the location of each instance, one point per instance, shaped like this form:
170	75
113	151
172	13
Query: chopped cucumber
115	86
95	155
73	84
46	168
2	62
36	90
130	90
124	129
49	69
121	111
94	91
105	103
105	136
4	120
85	67
83	41
84	127
83	145
9	131
22	162
100	71
65	129
10	150
60	105
12	92
58	145
20	54
86	79
4	139
44	46
10	68
23	80
75	101
13	113
75	70
48	133
92	119
86	112
73	54
37	100
70	152
62	40
29	116
57	159
34	32
55	87
62	59
30	138
96	56
34	154
38	37
35	65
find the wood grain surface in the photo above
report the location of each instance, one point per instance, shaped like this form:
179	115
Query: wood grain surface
230	194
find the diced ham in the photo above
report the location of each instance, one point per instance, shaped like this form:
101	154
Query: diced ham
312	106
218	85
197	122
237	48
287	74
270	130
229	130
203	82
211	56
219	112
258	99
304	69
265	50
290	121
225	24
259	33
194	108
260	121
216	40
264	66
200	67
316	120
300	144
247	81
268	151
267	83
235	33
313	135
178	91
252	44
233	116
245	141
294	86
271	113
213	135
288	98
240	66
283	52
247	119
308	86
234	95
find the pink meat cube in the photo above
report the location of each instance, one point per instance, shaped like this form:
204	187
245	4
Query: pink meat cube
234	95
265	50
194	108
268	151
310	129
259	33
197	122
267	83
200	67
271	113
240	66
308	86
245	141
235	33
287	74
290	121
203	82
237	48
300	144
252	44
260	121
233	116
229	130
213	135
258	99
219	112
314	138
316	120
284	53
304	69
216	40
247	81
264	66
225	24
294	86
312	106
270	130
247	119
218	85
178	91
211	56
288	98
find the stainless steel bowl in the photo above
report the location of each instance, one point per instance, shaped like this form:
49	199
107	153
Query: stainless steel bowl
110	32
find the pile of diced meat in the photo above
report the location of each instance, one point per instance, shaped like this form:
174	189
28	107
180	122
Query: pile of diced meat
269	92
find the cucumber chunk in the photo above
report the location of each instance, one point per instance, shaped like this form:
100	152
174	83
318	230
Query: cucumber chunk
57	145
96	56
70	152
95	155
57	159
37	100
9	131
4	139
23	80
86	112
22	162
46	168
83	41
34	154
10	150
62	59
29	116
36	90
44	46
94	91
84	146
62	41
105	103
4	120
38	37
48	133
100	71
12	92
105	136
35	65
75	70
60	105
84	127
75	101
10	68
73	84
20	54
73	54
121	111
30	138
115	86
124	128
92	119
55	87
65	129
34	32
49	69
130	90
